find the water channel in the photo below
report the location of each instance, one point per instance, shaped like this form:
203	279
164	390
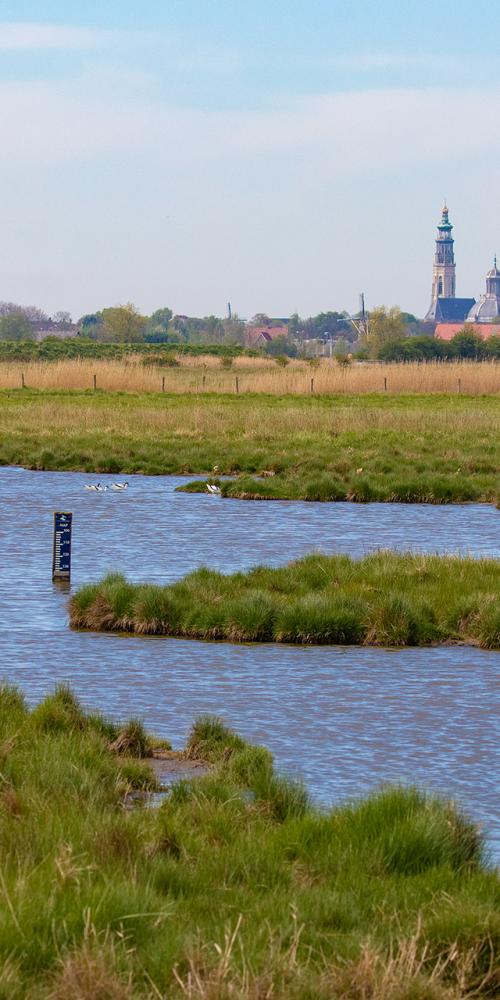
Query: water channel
345	720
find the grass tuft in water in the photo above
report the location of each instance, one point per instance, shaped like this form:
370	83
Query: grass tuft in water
384	599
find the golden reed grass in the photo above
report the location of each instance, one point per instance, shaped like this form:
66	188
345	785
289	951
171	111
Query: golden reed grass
255	375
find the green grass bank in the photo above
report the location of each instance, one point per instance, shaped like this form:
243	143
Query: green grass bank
384	599
235	888
426	448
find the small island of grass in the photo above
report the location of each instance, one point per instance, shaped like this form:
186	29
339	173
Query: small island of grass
384	599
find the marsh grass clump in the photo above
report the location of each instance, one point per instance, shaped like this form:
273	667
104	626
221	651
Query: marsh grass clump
132	740
250	618
318	618
383	599
60	712
485	623
236	887
210	739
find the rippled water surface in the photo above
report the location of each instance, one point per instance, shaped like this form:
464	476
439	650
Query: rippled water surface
345	719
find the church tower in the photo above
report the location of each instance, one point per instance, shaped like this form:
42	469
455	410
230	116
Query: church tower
445	307
443	277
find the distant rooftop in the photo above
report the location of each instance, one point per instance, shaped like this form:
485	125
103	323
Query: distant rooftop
450	310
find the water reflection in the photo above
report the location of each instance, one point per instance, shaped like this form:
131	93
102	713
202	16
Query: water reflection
344	719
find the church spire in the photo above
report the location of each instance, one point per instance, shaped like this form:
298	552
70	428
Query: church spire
443	279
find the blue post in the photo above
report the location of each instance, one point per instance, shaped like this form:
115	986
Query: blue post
61	550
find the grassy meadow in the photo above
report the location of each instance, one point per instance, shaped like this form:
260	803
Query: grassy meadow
235	887
384	599
429	447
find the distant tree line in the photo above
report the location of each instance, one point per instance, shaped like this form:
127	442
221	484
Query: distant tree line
385	334
389	336
20	322
125	324
465	344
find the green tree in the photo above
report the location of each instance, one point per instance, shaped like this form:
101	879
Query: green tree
384	326
260	319
91	326
295	326
467	344
280	346
493	347
329	324
124	324
16	326
413	349
234	330
63	317
214	329
159	321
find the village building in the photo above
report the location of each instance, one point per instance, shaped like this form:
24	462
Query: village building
452	314
259	336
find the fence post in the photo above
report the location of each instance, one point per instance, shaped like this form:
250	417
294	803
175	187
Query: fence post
237	385
22	381
312	385
163	383
385	384
460	385
95	381
203	381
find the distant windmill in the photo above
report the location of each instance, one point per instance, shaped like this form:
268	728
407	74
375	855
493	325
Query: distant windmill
360	322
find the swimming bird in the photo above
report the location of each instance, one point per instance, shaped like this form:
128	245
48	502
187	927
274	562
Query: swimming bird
101	489
91	486
119	486
213	489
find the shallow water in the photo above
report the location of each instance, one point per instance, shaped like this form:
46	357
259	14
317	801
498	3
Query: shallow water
344	719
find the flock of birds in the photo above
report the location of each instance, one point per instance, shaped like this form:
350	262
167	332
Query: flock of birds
119	487
99	488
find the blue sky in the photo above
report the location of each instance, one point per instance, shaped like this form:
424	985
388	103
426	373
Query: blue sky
284	156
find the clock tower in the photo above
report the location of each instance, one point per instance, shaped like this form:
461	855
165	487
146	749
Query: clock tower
443	276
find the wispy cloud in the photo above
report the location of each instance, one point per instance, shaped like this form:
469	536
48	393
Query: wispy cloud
30	36
391	61
44	122
184	54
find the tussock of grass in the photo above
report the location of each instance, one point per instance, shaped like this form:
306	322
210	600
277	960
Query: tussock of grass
384	599
235	887
429	449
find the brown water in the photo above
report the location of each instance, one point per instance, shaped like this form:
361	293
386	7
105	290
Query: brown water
344	719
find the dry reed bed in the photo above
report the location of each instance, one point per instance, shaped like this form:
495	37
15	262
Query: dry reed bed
255	375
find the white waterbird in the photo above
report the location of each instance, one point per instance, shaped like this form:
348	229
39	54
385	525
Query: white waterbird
119	486
213	489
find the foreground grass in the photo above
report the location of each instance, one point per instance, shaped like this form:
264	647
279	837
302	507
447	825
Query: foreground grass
236	887
407	448
384	599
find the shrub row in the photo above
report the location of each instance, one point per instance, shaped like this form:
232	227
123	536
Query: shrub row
55	349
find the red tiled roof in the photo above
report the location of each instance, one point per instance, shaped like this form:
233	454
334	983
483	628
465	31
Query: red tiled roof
255	333
446	331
